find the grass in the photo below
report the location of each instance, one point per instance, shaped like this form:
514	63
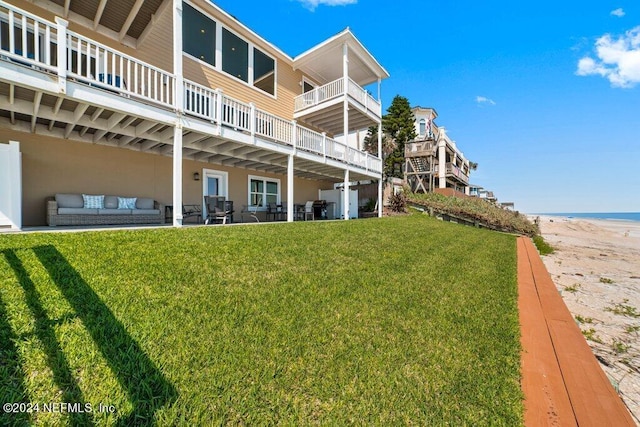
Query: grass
624	309
402	320
543	247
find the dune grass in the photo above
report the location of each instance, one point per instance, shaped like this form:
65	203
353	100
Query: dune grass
403	320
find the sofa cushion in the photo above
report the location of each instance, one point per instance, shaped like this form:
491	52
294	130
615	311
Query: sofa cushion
114	211
126	203
145	211
144	203
110	202
93	201
77	211
69	200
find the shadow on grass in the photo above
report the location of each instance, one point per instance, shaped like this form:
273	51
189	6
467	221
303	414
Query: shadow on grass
12	389
146	386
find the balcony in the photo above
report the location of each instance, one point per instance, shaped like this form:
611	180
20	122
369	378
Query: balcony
454	171
57	59
323	106
420	149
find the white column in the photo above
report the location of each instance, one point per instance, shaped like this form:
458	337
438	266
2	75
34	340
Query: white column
345	129
290	189
380	178
345	200
177	175
177	130
177	55
61	40
442	164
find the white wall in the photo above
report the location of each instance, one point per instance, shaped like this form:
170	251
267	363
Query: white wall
10	186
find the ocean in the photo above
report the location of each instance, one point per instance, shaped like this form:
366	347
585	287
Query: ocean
625	216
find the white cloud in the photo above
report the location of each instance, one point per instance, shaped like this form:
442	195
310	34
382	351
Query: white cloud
312	4
618	12
618	59
485	100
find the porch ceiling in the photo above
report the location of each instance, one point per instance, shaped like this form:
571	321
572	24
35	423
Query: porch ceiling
324	61
27	110
124	17
330	119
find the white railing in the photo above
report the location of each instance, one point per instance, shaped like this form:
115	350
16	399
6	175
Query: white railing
336	150
69	54
363	97
102	66
319	95
309	140
374	163
274	127
19	43
200	101
235	113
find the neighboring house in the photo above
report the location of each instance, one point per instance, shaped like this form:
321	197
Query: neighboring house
433	161
175	100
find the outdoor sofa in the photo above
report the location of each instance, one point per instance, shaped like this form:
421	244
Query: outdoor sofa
83	209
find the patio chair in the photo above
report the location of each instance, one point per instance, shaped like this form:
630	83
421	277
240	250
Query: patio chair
216	210
251	210
308	210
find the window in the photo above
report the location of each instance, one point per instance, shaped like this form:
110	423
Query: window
205	40
235	55
263	71
423	127
198	35
263	191
307	86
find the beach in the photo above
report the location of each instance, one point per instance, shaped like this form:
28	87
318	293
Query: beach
596	268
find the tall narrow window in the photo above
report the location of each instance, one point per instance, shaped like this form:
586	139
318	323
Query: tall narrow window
198	35
423	127
235	55
263	71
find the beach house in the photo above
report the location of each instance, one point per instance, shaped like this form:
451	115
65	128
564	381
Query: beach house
433	162
173	101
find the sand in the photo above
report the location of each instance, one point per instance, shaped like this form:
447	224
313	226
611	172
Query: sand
596	268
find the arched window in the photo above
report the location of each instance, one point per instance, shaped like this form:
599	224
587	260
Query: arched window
423	127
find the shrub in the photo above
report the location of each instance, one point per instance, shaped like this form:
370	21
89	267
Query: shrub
398	202
475	209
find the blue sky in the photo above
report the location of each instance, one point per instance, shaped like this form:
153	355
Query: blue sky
544	96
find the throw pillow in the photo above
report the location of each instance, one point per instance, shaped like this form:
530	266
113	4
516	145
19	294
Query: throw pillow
93	201
127	202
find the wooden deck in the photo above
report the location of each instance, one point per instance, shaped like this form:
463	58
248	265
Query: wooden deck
562	381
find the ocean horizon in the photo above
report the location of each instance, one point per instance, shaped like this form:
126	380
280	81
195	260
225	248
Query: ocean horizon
621	216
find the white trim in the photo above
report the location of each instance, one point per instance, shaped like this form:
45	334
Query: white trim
11	185
306	79
223	185
263	179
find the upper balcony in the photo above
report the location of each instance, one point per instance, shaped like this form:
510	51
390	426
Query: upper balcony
319	106
341	67
420	149
454	171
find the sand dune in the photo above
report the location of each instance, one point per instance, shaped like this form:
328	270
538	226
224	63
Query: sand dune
596	268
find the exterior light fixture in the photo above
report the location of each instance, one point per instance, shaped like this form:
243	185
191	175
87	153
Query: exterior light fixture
196	176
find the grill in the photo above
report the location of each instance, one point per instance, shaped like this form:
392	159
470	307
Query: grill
320	209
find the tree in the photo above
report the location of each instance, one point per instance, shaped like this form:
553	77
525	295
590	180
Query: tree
371	143
398	126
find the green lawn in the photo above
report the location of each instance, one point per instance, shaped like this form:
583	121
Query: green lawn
403	320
